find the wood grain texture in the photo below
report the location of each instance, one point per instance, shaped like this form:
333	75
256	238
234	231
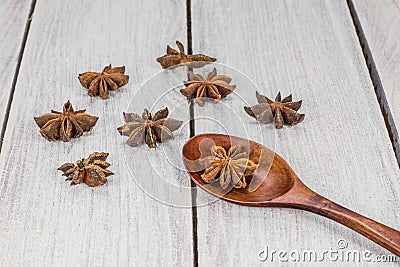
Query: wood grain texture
43	220
13	18
380	21
341	150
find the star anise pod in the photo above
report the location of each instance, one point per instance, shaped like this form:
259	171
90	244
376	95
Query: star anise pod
101	83
283	111
174	58
65	125
148	128
92	171
230	167
215	86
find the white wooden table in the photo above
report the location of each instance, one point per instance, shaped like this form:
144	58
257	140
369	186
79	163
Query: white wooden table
343	150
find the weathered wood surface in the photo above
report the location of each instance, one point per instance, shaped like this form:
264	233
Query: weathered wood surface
380	21
43	220
307	48
341	150
13	18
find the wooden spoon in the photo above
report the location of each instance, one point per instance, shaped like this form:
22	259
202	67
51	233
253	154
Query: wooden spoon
278	186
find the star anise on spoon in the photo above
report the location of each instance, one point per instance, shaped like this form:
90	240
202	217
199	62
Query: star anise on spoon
174	58
230	167
148	128
91	171
65	125
214	86
101	83
282	111
280	187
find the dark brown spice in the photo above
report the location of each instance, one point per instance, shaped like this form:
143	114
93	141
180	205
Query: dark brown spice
214	86
65	125
282	111
99	84
230	167
91	171
149	129
174	58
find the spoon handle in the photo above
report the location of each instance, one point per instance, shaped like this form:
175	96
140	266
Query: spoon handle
383	235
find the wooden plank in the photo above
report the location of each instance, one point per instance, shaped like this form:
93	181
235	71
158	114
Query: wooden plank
13	18
46	222
380	21
341	150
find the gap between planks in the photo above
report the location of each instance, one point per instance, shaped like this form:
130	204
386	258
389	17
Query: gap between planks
17	68
376	81
192	133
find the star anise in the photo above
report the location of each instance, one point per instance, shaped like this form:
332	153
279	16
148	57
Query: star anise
174	58
91	171
65	125
283	111
148	128
230	167
215	86
101	83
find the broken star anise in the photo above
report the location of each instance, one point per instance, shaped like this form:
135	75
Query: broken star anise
215	86
174	58
65	125
148	128
92	171
101	83
230	167
283	111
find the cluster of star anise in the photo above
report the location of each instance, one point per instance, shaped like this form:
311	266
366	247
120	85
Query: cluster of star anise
70	124
229	167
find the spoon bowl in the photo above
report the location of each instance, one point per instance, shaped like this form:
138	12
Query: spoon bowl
279	181
275	184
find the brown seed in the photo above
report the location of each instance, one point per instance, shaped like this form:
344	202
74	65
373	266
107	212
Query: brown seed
91	171
99	84
230	167
148	129
214	86
282	111
65	125
174	58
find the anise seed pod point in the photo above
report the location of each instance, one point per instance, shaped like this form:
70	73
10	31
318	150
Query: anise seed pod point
91	171
282	111
174	58
65	125
147	128
100	84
